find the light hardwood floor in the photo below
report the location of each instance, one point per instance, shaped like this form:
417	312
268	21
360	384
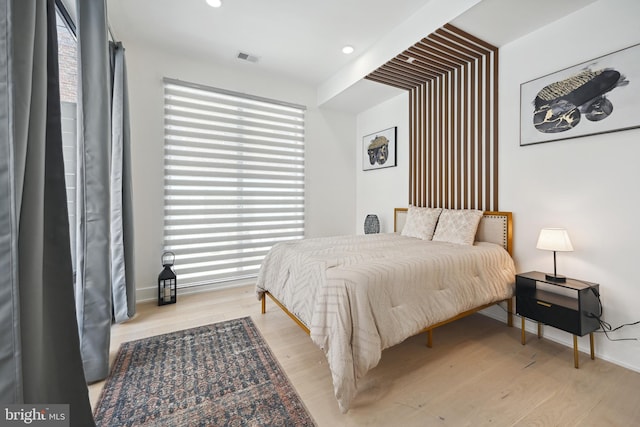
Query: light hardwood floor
476	374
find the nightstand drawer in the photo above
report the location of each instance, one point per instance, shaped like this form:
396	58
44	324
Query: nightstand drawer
550	314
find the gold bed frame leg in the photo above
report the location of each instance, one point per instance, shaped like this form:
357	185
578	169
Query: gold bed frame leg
510	312
286	311
429	329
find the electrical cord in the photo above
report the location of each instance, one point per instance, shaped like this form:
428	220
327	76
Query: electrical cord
605	327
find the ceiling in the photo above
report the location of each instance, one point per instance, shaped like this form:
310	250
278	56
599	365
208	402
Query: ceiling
302	39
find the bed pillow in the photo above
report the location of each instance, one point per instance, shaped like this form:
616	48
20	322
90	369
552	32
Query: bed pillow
421	222
457	226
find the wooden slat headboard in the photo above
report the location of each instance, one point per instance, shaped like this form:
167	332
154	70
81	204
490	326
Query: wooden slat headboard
495	227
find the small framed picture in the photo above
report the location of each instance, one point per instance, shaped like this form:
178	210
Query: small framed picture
379	149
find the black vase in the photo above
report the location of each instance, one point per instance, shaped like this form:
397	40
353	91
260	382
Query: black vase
371	224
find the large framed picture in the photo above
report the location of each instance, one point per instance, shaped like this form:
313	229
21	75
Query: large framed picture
597	96
379	149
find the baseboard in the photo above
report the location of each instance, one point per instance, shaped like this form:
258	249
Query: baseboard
499	314
151	293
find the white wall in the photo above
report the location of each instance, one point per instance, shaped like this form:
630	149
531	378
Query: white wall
381	190
330	177
587	185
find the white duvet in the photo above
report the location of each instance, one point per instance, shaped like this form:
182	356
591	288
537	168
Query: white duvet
361	294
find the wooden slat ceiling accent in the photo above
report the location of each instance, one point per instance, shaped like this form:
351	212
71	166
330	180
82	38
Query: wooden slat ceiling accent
452	79
444	51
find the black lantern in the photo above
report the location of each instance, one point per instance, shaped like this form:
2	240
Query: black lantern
167	281
371	224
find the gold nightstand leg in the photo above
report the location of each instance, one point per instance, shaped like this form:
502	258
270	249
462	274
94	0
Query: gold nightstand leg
593	354
539	330
575	352
524	339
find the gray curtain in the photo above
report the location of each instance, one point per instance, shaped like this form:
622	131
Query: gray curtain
39	344
104	259
93	275
123	289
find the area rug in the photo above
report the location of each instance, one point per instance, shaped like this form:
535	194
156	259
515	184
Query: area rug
222	374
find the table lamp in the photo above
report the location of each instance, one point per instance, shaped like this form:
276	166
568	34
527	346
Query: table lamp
556	240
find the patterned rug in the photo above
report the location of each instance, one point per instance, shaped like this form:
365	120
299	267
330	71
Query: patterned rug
216	375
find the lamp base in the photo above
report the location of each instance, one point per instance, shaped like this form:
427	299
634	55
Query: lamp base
555	278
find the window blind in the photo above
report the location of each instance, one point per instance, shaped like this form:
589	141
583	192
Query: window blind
233	182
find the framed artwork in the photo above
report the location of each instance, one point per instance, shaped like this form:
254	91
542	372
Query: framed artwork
379	149
597	96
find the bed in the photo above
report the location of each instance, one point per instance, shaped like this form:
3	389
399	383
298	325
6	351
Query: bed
357	295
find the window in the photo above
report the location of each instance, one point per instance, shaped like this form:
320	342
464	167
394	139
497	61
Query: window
234	181
68	72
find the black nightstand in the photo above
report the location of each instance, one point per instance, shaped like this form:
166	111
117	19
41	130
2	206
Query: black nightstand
571	306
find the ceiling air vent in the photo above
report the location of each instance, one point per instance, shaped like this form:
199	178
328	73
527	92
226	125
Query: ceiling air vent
247	57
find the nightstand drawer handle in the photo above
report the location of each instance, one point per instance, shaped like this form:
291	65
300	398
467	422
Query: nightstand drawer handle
544	303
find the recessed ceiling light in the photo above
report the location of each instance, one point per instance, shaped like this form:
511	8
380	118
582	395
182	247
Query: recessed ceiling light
214	3
347	50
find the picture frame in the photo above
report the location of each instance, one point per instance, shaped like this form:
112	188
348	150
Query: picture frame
594	97
379	149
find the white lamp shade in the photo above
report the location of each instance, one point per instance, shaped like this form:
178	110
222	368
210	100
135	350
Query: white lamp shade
554	239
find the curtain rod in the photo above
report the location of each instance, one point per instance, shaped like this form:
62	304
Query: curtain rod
113	38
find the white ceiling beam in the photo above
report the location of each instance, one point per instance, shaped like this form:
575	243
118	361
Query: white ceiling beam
432	16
